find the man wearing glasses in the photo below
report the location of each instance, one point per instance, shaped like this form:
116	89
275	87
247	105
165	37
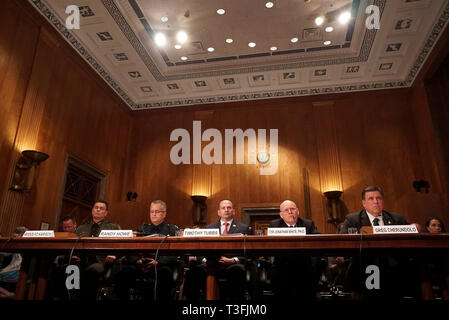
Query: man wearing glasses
143	268
294	276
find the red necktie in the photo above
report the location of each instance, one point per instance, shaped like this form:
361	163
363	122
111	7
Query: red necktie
225	230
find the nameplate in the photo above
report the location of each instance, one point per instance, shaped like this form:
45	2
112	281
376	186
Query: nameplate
39	234
116	234
201	233
299	231
395	229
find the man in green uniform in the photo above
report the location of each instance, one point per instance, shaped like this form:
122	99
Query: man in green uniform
95	266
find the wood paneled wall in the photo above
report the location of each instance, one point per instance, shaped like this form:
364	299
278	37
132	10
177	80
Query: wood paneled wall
55	104
376	144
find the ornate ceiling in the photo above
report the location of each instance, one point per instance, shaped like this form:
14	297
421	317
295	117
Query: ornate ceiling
116	38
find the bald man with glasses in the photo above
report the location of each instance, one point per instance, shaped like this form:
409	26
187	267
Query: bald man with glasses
294	276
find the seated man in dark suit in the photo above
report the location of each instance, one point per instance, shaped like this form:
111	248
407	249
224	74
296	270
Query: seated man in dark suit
95	266
294	276
392	271
230	269
144	267
373	213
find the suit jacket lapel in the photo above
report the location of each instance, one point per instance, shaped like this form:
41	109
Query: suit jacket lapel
386	217
364	220
232	227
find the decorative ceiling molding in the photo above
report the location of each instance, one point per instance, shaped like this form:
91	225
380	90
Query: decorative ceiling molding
382	60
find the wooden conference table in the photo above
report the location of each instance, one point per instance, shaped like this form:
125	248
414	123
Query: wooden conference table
40	251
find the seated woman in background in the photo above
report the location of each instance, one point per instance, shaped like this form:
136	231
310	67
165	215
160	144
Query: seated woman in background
435	272
435	225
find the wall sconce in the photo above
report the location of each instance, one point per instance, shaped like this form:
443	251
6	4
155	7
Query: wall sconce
131	196
199	211
25	170
421	184
334	208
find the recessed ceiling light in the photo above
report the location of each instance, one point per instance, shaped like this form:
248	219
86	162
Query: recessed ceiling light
183	58
178	46
210	49
273	48
319	21
344	17
164	19
229	40
269	5
294	40
326	43
181	36
251	44
221	11
329	29
160	39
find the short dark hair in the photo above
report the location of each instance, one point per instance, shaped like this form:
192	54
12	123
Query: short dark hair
67	218
443	229
225	200
371	189
101	201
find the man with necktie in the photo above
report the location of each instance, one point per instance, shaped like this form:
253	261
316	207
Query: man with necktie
392	270
231	269
294	277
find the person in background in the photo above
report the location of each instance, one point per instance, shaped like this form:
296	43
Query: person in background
10	267
435	225
68	224
436	272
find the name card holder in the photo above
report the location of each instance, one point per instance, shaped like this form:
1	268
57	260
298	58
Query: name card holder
297	231
39	234
408	228
201	233
116	234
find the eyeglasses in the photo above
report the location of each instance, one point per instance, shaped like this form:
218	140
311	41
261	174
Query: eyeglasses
157	211
100	208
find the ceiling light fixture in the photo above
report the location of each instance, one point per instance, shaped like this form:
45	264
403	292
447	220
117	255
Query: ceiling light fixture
269	5
160	39
273	48
294	40
251	44
344	17
183	58
210	49
326	43
319	21
164	19
178	46
181	36
221	11
229	40
329	29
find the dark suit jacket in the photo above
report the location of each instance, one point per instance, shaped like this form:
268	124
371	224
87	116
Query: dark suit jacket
236	227
301	223
361	219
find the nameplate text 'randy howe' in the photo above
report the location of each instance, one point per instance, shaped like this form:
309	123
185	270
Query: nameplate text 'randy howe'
116	234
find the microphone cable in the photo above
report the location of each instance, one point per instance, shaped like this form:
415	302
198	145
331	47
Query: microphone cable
155	267
70	262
